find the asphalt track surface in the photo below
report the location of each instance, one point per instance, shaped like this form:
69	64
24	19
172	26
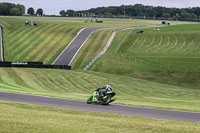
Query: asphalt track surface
70	51
112	108
68	54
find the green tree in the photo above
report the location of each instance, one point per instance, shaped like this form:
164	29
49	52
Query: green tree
141	10
39	12
31	11
185	15
108	14
63	13
176	17
15	11
193	16
11	9
166	15
5	8
21	8
70	13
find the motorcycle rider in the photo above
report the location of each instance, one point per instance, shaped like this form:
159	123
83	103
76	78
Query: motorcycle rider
102	92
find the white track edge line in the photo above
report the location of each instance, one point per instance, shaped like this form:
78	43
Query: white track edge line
2	47
68	45
80	47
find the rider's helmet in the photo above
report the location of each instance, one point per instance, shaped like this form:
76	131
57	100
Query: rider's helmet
108	88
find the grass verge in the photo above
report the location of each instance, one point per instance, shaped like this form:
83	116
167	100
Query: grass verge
37	119
167	56
46	41
80	85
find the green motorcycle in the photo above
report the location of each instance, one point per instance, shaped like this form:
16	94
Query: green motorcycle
103	100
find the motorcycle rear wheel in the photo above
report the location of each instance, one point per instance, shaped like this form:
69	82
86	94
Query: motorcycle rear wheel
107	101
89	101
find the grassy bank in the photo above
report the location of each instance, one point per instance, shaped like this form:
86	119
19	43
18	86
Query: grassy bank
46	41
161	58
169	56
80	85
33	118
43	42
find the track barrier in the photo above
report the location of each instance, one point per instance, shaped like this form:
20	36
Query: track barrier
33	65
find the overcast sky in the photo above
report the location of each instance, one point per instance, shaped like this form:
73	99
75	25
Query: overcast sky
54	6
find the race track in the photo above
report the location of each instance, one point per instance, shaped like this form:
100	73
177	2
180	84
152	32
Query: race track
66	57
118	109
68	54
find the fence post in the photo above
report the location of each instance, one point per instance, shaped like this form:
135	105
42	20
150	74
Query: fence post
2	45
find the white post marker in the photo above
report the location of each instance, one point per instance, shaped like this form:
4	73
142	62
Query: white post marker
2	47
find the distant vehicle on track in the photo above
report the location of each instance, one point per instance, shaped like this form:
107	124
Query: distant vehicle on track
140	31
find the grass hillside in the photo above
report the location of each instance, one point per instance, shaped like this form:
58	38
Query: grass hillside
46	41
122	62
43	42
80	85
169	56
119	66
37	119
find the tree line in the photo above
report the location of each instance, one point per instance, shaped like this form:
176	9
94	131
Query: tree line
10	9
72	13
32	12
139	10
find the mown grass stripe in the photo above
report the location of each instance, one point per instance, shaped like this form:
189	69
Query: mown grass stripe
47	84
61	44
10	44
13	73
2	78
15	30
179	44
43	52
17	48
43	87
59	86
174	45
161	44
5	24
158	44
13	81
44	37
93	46
77	88
20	36
64	84
58	41
69	84
29	34
127	89
134	42
85	85
28	49
166	45
28	79
154	39
26	37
